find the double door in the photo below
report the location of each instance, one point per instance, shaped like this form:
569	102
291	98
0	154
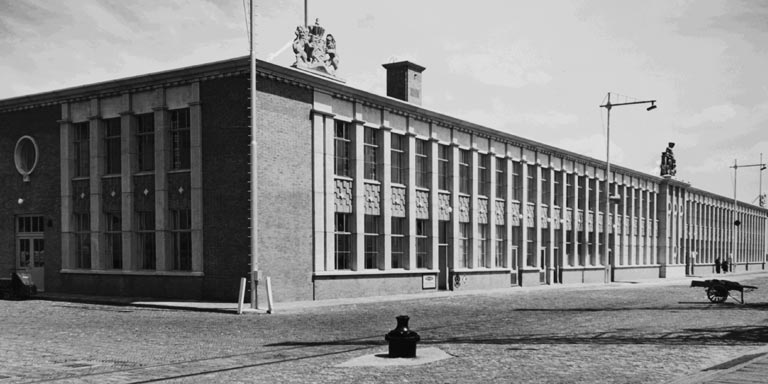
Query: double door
30	248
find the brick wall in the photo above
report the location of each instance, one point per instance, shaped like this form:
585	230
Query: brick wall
41	194
285	189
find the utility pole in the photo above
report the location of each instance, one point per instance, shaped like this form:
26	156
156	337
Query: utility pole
254	168
736	221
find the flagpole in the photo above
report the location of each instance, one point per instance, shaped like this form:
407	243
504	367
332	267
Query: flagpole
254	168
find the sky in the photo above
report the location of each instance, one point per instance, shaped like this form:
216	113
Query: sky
536	69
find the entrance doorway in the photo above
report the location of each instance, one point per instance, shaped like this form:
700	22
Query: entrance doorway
442	256
30	248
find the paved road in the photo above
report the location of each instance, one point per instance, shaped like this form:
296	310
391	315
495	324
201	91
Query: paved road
625	333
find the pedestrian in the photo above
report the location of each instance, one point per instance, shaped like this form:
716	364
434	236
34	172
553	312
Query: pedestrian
725	265
717	265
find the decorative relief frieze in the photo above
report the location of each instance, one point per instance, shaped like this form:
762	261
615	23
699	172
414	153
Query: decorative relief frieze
568	219
590	221
556	216
500	212
600	219
81	196
634	225
530	215
580	220
625	225
372	199
543	219
515	214
464	209
398	202
482	211
343	196
422	205
110	194
178	190
144	193
642	227
610	223
444	204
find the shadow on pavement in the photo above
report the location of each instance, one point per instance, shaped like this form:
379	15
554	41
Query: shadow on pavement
741	335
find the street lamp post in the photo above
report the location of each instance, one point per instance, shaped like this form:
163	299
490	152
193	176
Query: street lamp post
736	221
608	260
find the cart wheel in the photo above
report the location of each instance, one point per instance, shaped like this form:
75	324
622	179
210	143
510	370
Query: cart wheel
717	294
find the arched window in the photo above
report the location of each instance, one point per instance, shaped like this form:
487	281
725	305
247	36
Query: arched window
25	156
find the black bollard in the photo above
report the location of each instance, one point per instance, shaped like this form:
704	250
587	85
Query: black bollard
402	341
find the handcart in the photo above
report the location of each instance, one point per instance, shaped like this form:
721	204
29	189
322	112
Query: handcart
719	290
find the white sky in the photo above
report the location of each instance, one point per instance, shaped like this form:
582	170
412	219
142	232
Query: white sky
537	69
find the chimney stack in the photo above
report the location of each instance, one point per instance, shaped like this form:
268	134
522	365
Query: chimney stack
404	81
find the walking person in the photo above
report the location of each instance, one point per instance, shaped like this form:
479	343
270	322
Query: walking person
725	265
717	265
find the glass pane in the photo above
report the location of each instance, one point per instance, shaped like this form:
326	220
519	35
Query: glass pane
39	252
24	253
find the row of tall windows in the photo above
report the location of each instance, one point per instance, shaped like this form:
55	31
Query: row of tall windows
144	217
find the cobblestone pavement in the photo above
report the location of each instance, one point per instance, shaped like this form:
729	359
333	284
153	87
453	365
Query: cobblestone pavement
624	333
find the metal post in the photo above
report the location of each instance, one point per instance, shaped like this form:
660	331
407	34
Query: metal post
254	179
733	222
760	199
607	195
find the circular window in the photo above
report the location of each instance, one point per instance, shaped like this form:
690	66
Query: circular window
26	155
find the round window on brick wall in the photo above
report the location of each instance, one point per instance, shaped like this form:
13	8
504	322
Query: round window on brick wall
25	156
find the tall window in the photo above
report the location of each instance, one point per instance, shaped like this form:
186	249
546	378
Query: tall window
371	149
342	149
501	246
531	183
399	159
501	178
112	146
558	188
180	144
113	250
546	189
466	259
82	151
570	191
516	241
145	142
465	157
422	163
483	245
82	240
343	241
145	225
444	167
422	244
484	182
582	196
372	231
531	249
181	234
398	242
517	181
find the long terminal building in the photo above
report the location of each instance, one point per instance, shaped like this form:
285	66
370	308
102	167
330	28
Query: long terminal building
140	187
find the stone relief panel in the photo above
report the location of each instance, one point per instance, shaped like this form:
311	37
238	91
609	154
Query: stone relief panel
482	211
179	190
600	219
634	225
398	202
543	220
515	214
372	199
580	220
530	213
422	205
144	193
444	206
500	215
557	216
590	222
464	209
343	196
110	194
568	219
642	227
625	226
610	223
81	196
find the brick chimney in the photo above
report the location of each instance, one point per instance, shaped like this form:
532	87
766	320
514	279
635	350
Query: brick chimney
404	81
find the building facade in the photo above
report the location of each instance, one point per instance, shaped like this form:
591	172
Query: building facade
140	187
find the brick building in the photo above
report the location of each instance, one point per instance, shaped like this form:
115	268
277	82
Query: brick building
140	187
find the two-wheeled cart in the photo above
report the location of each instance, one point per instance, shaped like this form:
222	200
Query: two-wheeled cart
719	290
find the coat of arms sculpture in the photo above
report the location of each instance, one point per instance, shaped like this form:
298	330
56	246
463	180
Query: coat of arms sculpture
315	52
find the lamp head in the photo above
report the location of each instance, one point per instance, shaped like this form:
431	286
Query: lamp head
652	107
